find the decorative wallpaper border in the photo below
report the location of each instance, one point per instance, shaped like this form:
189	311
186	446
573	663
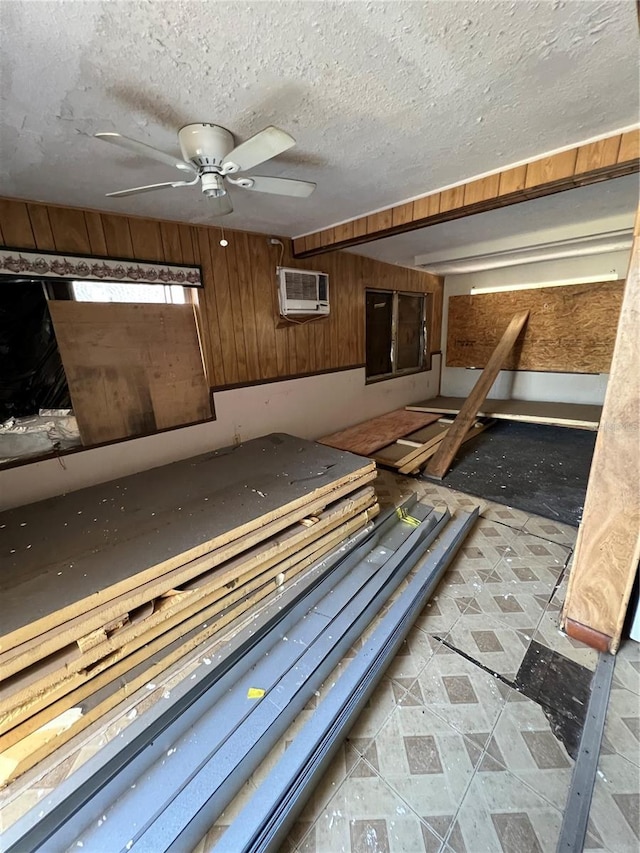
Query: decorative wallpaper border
53	265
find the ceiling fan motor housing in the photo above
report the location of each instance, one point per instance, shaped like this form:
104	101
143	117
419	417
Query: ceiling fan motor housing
205	144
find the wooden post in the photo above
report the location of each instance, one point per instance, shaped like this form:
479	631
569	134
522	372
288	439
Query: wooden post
442	459
608	545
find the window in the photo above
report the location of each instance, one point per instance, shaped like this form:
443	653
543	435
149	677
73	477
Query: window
98	291
395	333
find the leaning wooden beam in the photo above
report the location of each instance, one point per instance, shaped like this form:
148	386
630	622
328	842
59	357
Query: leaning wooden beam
603	160
608	545
442	459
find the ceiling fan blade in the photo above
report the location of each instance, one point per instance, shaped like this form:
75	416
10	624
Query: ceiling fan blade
220	205
279	186
149	188
263	146
145	150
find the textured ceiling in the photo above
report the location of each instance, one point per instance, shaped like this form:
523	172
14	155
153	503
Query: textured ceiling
595	209
386	99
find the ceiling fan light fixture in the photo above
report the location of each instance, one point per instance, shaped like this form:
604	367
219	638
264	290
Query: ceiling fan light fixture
213	185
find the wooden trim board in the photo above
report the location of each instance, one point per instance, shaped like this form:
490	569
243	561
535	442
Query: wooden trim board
605	563
443	457
574	415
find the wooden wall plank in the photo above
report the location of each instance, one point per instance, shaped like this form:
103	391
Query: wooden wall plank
402	213
16	225
452	198
146	239
220	285
598	154
171	247
512	180
482	189
186	243
206	315
229	255
571	328
261	261
551	169
629	146
95	231
607	551
428	205
240	245
69	230
41	227
117	235
344	231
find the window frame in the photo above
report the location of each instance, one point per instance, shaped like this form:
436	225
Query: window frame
425	359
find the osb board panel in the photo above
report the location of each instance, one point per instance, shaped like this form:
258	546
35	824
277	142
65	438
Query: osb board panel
528	411
238	308
131	369
75	551
372	435
570	329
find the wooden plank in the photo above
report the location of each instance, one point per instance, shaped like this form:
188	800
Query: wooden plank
217	288
147	358
439	464
95	231
119	681
240	244
152	522
427	205
548	170
482	189
452	198
607	549
512	180
41	227
629	150
264	291
48	679
69	230
430	448
117	235
237	325
171	246
16	225
208	306
574	415
367	437
595	155
146	239
571	329
402	213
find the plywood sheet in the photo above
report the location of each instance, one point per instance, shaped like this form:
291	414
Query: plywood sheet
572	415
369	436
132	369
571	329
76	551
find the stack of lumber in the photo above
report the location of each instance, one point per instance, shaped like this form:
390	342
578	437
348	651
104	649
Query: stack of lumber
403	440
104	588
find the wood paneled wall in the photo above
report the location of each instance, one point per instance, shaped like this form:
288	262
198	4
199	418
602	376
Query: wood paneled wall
244	339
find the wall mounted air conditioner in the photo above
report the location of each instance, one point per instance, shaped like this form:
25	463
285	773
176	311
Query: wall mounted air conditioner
302	292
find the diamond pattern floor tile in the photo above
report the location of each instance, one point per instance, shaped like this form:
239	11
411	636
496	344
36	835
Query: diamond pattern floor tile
500	814
495	645
615	806
622	726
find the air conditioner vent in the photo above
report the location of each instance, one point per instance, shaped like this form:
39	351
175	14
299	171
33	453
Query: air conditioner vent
302	292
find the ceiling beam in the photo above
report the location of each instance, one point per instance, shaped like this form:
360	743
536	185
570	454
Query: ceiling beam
603	160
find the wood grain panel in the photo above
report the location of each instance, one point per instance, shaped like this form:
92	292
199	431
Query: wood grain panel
605	563
605	159
243	337
69	230
41	227
117	236
571	328
16	225
132	369
95	231
146	239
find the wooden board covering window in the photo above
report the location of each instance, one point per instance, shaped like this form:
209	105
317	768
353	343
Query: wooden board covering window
571	329
132	369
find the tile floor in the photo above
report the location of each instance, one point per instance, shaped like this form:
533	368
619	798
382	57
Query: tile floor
447	756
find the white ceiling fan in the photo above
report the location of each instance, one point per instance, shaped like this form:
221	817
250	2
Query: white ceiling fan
209	156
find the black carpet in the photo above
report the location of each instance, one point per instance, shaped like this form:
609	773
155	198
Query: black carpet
532	467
